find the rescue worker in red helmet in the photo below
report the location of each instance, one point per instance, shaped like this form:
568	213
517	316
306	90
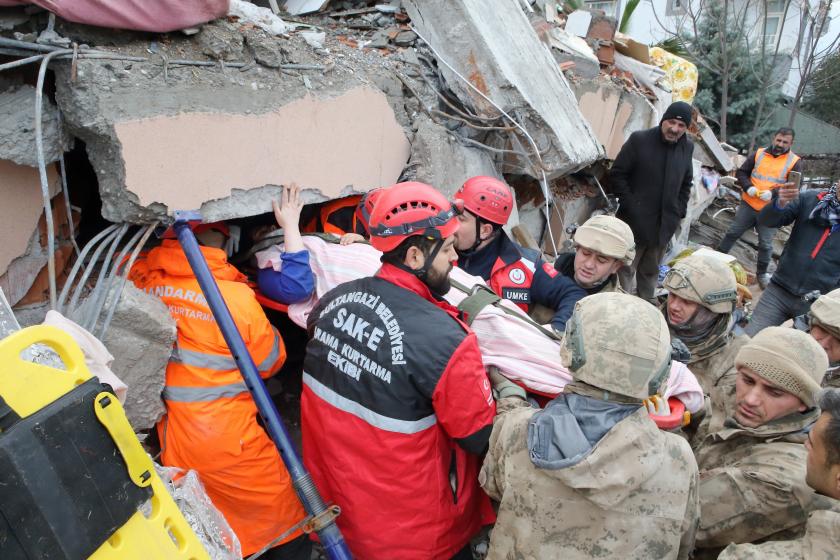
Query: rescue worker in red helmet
512	272
396	405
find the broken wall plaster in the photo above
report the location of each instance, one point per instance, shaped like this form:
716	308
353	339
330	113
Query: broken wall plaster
613	112
23	205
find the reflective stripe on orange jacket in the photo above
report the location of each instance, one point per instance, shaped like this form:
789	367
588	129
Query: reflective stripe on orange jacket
211	423
768	173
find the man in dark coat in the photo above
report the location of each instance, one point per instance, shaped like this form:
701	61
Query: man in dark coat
652	177
810	262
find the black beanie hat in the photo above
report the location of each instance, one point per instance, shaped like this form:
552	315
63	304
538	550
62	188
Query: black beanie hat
679	110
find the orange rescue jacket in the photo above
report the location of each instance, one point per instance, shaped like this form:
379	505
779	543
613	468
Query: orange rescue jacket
211	424
769	173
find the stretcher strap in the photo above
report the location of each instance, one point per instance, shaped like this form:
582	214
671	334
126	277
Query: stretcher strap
480	297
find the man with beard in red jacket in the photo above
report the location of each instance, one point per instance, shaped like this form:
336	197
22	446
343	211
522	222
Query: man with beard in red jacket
396	406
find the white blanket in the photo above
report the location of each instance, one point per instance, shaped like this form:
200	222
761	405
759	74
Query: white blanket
520	351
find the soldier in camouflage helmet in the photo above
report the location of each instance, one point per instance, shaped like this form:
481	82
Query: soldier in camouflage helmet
701	298
603	245
752	469
822	531
824	326
591	475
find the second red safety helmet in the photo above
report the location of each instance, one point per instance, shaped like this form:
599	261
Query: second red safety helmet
407	209
365	206
488	198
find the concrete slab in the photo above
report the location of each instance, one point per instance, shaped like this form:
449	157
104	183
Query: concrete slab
350	141
567	47
221	139
140	337
501	55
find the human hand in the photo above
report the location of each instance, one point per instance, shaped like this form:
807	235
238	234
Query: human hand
752	191
287	210
504	387
787	193
765	195
657	406
350	238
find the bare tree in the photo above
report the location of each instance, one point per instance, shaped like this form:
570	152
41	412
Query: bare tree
766	72
811	49
729	19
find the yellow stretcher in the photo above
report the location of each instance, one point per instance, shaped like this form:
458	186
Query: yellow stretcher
35	397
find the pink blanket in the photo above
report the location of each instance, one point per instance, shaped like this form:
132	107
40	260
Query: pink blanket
520	351
158	16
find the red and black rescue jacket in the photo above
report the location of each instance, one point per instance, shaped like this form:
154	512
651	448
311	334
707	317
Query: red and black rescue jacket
521	276
396	409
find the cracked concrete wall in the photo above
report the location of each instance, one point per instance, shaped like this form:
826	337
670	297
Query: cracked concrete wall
496	48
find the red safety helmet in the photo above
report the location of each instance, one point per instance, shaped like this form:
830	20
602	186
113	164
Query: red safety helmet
365	206
221	227
408	209
488	198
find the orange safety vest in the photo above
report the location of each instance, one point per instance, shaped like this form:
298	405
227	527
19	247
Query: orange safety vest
330	212
211	423
768	173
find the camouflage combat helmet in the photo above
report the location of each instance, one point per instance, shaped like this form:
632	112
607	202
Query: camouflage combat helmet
704	280
609	236
618	343
825	313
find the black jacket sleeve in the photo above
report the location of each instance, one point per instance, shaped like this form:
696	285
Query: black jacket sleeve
744	172
559	293
622	168
686	186
771	216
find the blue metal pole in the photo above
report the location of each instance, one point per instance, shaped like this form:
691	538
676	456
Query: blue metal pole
329	534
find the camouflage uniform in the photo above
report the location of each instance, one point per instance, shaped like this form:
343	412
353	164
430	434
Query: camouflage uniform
821	542
591	475
752	480
711	283
825	313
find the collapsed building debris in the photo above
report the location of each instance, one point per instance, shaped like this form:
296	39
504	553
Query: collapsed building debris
501	57
140	337
340	103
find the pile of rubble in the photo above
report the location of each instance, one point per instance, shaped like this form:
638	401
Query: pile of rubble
358	95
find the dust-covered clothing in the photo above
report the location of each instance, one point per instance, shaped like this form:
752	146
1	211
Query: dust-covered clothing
820	542
752	481
586	478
